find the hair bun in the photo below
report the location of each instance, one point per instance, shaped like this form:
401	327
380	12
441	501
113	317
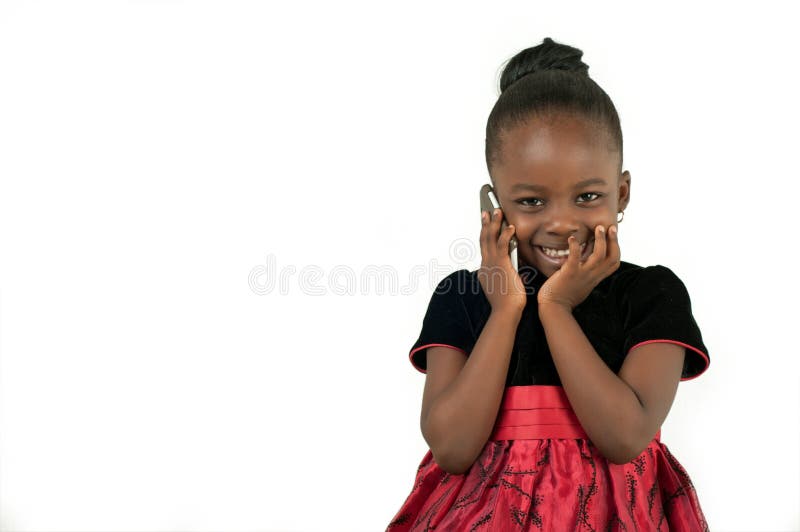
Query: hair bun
549	55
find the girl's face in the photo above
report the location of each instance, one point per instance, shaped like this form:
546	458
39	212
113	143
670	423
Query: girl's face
555	179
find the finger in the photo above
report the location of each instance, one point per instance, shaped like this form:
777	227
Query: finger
484	238
492	234
573	259
505	237
496	219
599	251
614	251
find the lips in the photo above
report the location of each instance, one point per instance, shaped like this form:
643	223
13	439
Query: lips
558	261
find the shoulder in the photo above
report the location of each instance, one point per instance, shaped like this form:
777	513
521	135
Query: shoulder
655	306
447	320
457	282
457	291
645	282
630	277
463	285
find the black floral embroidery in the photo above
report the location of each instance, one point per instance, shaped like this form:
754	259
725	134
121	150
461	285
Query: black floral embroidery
615	524
522	517
638	463
483	472
584	493
630	483
482	521
651	498
507	492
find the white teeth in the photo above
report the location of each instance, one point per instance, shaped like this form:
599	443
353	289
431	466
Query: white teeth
558	252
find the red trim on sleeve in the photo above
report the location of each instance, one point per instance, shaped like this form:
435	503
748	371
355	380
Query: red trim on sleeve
411	354
693	348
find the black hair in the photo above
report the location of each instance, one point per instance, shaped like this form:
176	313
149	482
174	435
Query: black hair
549	81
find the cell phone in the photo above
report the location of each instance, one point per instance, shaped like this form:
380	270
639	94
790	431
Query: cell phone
489	202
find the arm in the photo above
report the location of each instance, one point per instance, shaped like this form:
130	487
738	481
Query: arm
463	394
620	413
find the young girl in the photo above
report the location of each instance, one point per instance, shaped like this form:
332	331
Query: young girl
546	388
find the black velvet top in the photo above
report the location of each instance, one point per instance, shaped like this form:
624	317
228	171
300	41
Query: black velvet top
634	304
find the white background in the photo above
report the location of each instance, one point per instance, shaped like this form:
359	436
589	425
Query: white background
162	162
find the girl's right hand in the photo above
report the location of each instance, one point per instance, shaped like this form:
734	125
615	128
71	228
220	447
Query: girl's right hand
500	281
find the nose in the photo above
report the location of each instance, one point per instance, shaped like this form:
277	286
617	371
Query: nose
561	225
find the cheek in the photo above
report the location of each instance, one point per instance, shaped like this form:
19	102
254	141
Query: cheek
604	218
524	228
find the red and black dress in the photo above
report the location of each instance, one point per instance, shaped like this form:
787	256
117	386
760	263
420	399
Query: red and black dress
539	470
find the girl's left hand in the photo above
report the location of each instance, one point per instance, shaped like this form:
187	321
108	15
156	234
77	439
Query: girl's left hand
575	280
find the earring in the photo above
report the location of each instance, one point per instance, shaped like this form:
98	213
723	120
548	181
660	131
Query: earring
623	216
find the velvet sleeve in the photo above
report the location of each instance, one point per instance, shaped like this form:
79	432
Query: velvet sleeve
446	321
657	308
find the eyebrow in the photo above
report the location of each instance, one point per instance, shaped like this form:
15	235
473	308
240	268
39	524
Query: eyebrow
529	186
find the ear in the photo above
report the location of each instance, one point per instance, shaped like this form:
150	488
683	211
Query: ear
624	190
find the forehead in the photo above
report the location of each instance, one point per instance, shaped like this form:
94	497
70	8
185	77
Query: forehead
555	152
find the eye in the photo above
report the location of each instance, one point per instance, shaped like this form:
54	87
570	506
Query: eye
525	200
522	201
589	194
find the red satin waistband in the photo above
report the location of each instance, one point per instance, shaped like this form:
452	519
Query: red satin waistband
537	412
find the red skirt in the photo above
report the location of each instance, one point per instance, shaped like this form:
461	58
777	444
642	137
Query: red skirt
539	471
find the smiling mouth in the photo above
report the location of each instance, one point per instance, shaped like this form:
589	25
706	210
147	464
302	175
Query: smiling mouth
559	260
